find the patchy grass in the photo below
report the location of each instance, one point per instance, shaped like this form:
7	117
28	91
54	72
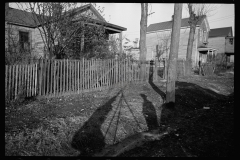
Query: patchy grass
84	124
56	127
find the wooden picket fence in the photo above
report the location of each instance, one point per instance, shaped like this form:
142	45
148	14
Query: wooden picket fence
51	78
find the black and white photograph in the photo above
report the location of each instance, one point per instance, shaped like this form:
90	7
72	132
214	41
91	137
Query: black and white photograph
114	79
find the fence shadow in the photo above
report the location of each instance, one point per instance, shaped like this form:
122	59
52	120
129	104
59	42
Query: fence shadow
89	138
150	81
149	113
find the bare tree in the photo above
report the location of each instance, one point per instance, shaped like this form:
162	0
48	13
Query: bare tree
163	45
143	30
64	30
172	64
196	11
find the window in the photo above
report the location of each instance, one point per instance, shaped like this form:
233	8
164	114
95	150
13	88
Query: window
24	41
231	41
205	36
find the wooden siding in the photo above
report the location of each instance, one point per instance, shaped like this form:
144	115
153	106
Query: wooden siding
218	43
155	38
229	47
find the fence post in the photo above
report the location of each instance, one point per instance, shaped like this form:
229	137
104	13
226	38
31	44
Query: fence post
16	76
6	80
31	77
36	77
165	67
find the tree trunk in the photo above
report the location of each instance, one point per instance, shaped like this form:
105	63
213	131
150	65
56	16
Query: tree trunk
143	30
120	43
175	37
189	50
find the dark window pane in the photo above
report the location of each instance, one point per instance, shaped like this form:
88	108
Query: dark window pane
24	40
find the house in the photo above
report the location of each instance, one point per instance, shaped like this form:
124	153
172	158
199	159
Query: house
22	26
159	34
222	39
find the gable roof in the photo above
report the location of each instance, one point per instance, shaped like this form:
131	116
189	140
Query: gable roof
90	6
20	17
168	24
221	32
24	18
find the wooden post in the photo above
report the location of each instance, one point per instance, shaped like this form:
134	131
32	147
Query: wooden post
22	79
83	74
36	78
16	85
67	77
78	76
30	78
143	30
10	80
6	81
54	78
64	76
74	76
20	88
40	76
33	78
171	77
26	80
61	77
71	75
49	77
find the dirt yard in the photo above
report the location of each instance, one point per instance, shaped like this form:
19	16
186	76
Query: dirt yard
85	124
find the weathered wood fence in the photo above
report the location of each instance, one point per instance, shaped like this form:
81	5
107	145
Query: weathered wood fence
50	78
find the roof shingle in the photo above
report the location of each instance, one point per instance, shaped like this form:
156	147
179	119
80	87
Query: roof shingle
221	32
168	24
20	17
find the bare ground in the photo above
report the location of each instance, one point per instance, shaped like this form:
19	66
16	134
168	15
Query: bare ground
106	117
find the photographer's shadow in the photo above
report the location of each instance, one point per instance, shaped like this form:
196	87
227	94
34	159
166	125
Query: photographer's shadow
89	139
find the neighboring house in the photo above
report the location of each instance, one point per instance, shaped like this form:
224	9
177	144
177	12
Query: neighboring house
222	39
160	34
26	33
131	48
229	48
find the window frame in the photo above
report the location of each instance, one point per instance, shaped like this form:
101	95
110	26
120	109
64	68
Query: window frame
22	42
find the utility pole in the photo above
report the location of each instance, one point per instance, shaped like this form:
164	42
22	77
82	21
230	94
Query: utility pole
143	31
173	56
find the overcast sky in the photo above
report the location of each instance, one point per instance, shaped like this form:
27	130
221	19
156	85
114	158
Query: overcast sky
128	15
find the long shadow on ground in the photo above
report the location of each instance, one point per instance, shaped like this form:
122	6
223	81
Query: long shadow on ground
200	132
149	113
89	138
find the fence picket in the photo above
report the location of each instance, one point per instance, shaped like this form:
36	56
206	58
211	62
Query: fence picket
31	80
75	76
71	76
58	77
6	80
